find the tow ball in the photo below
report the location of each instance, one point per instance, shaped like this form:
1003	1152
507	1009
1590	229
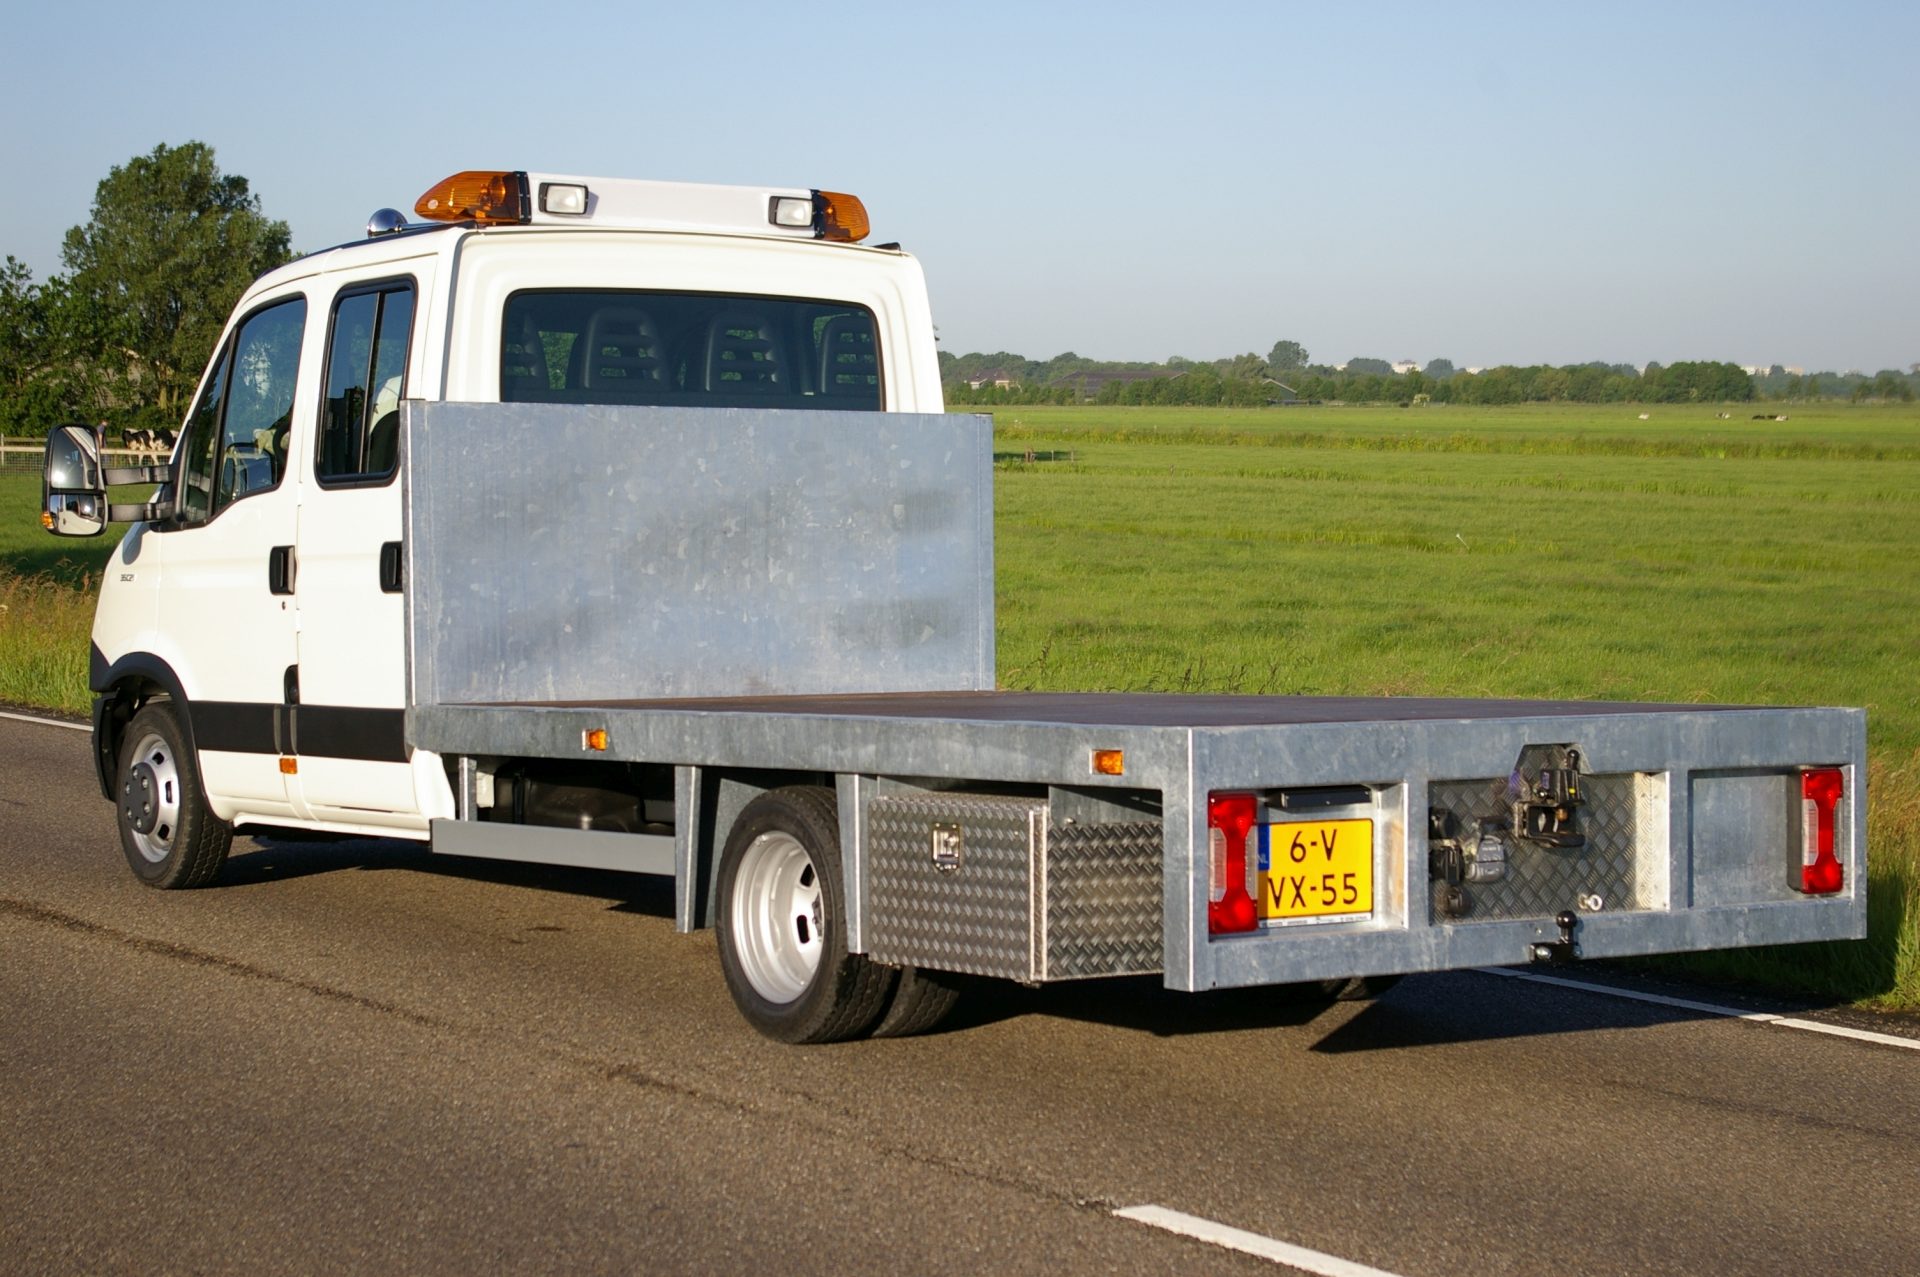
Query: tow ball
1558	953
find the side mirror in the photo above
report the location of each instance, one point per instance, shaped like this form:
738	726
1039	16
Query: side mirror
73	487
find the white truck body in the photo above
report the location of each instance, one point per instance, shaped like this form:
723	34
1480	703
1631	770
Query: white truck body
580	540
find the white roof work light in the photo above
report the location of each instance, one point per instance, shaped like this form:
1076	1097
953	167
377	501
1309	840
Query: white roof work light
494	197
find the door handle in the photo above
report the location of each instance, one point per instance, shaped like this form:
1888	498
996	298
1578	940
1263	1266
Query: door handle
280	567
390	568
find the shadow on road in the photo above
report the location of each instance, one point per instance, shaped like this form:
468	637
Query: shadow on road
281	856
1422	1011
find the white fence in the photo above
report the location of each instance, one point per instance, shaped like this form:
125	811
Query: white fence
27	454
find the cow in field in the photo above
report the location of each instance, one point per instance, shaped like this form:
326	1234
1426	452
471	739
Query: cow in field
148	443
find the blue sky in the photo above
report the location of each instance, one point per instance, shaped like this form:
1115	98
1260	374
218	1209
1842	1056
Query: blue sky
1487	183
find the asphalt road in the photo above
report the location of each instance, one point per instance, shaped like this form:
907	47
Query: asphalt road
356	1056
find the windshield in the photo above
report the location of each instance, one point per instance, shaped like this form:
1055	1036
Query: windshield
703	349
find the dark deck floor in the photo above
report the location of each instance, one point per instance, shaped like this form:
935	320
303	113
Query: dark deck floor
1135	709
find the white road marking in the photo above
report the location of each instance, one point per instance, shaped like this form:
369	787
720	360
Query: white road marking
1709	1008
49	722
1247	1243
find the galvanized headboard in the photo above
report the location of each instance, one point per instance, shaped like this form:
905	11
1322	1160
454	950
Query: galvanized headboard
558	552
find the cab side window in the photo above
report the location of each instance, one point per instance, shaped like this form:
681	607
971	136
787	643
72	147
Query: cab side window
237	434
366	380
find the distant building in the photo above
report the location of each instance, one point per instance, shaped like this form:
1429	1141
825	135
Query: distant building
999	379
1090	384
1402	367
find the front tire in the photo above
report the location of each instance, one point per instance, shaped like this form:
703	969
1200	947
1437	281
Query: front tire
782	925
169	834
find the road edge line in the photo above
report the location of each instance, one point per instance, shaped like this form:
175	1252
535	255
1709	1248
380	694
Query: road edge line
1709	1008
50	722
1230	1238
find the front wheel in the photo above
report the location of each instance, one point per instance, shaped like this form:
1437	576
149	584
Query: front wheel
783	937
169	834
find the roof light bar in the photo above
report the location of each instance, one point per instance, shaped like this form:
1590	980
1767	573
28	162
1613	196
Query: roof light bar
504	197
491	198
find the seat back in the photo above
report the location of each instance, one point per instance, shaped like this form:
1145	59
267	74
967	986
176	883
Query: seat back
848	362
523	365
745	356
623	351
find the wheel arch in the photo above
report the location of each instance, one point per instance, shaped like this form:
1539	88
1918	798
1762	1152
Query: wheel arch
723	794
120	688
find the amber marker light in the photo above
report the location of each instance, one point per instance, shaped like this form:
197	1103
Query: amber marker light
289	766
841	218
594	739
1109	762
46	520
489	197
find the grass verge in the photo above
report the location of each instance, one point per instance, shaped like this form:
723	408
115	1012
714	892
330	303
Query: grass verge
44	628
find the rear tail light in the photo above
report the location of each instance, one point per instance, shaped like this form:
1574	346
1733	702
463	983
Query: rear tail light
1820	793
1229	902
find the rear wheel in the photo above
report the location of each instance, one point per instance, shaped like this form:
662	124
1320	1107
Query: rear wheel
782	932
169	834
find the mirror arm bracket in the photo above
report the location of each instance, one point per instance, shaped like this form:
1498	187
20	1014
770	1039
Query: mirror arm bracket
136	474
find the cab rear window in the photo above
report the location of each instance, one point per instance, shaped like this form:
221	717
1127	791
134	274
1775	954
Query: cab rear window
695	349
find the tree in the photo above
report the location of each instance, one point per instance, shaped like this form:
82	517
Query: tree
1243	367
1286	356
170	246
1358	365
1439	369
23	327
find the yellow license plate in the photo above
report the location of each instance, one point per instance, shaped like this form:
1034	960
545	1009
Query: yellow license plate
1316	871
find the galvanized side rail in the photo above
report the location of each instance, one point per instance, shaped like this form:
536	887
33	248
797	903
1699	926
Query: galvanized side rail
1689	833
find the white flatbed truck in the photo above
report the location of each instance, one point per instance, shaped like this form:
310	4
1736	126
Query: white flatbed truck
619	524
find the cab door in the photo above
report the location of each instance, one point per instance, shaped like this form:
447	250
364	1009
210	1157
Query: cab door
226	602
354	764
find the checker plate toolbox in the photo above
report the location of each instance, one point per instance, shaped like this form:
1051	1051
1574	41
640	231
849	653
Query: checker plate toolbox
990	886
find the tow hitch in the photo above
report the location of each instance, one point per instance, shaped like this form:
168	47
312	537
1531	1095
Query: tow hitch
1561	952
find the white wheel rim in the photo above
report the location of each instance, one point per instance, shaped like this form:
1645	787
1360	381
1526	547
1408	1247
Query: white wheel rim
150	797
777	915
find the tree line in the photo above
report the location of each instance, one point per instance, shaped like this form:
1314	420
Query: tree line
125	330
1288	375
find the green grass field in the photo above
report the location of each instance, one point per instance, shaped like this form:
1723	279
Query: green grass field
1557	551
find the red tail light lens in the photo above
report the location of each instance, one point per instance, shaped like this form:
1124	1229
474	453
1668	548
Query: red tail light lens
1820	793
1230	819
